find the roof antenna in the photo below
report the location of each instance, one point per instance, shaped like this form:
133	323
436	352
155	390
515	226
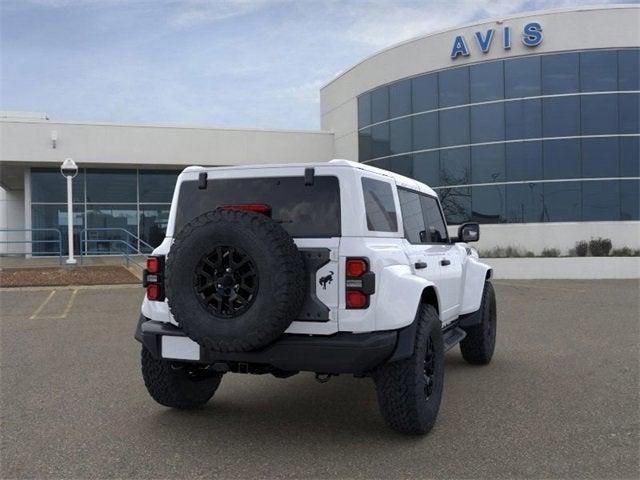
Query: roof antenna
309	174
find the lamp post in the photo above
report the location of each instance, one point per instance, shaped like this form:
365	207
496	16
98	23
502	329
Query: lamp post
69	169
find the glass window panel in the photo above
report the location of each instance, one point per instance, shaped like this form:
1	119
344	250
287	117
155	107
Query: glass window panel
157	186
48	185
562	201
629	200
53	216
454	127
425	131
426	168
365	145
380	104
454	166
400	98
629	69
560	73
524	203
561	116
600	201
523	119
109	186
600	157
436	228
630	156
153	224
487	123
522	77
424	92
454	87
115	220
487	204
523	161
402	165
379	205
487	81
364	110
380	140
599	114
629	112
599	71
400	135
456	204
412	218
561	159
487	164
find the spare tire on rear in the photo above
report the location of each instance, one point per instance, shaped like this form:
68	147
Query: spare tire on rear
234	280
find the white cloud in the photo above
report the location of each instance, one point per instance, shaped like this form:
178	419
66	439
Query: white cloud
196	12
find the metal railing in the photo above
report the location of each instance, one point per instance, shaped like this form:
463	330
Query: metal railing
31	241
127	247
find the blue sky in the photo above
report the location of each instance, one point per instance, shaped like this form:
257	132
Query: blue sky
230	63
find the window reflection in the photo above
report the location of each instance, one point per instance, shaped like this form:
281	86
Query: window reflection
454	87
599	71
487	204
599	114
113	221
601	201
524	203
562	201
400	98
54	217
487	81
48	185
380	104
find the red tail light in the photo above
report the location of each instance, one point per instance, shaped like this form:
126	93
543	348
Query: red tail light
250	207
153	265
356	299
153	291
360	283
356	267
153	278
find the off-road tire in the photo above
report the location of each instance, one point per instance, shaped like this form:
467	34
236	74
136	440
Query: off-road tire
478	346
280	271
178	385
400	385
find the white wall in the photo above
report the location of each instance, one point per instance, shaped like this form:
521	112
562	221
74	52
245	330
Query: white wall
11	217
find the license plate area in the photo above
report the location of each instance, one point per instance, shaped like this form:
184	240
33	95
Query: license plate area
179	348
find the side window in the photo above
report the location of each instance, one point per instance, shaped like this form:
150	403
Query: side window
412	218
436	228
379	205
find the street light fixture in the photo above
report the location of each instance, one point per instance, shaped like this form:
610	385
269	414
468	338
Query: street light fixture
69	169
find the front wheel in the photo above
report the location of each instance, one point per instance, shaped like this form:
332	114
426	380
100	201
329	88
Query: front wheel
409	391
178	384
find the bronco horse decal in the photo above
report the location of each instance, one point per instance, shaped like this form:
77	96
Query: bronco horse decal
326	280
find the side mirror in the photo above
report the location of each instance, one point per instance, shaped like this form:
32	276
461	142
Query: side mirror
469	232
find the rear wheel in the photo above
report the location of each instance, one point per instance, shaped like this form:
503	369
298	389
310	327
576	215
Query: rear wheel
409	391
178	384
478	346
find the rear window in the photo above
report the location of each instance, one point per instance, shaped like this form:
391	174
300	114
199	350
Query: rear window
302	210
379	205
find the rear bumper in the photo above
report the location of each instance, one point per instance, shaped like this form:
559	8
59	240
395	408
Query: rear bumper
339	353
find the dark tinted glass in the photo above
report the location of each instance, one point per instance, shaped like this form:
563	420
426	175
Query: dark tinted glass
456	204
153	224
111	186
364	110
365	144
629	200
600	201
560	73
400	99
524	203
599	71
412	218
600	157
487	164
380	140
426	168
302	210
487	204
454	127
629	112
400	135
116	220
523	161
487	123
48	185
436	229
454	87
599	114
425	131
424	91
561	116
157	186
454	166
630	157
561	159
523	119
562	201
380	104
629	69
53	217
487	81
522	77
379	206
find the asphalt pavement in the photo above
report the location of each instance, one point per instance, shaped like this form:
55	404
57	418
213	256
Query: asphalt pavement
560	399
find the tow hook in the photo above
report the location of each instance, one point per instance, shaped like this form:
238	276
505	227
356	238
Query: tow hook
323	377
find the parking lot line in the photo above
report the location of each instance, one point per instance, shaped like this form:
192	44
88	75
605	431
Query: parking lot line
42	305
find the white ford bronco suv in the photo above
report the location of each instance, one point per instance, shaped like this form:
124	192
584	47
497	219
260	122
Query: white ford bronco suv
330	268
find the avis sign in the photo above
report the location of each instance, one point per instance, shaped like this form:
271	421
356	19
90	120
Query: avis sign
531	37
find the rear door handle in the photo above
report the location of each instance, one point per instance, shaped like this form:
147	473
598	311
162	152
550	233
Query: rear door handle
420	265
445	262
